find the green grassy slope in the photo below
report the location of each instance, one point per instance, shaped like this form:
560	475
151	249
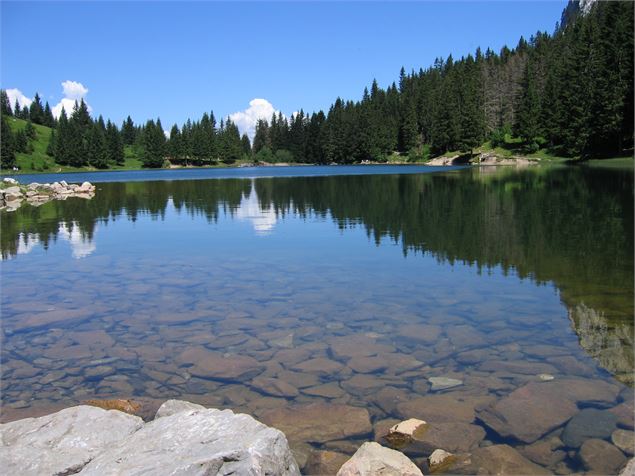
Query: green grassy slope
38	161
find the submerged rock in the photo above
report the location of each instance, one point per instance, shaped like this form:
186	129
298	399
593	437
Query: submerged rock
601	457
324	462
319	422
624	440
495	459
529	412
441	383
589	423
372	459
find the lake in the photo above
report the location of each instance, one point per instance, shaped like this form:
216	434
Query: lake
332	302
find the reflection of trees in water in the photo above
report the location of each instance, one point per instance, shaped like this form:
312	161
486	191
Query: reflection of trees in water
572	226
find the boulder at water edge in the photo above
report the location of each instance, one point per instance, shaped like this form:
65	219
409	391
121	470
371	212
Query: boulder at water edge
185	439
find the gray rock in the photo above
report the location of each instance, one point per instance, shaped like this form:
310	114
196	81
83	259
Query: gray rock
441	383
372	459
170	407
496	459
63	442
199	442
601	457
530	411
624	440
588	423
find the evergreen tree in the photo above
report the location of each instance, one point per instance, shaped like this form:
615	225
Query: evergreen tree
128	132
114	145
153	142
49	120
7	145
529	111
96	151
36	111
17	109
244	140
5	106
261	138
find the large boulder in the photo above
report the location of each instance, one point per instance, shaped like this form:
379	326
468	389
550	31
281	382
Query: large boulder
197	441
63	442
184	439
372	459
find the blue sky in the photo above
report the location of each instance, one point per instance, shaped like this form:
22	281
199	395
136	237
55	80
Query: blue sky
177	60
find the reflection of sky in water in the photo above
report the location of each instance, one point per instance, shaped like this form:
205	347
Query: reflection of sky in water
249	209
81	245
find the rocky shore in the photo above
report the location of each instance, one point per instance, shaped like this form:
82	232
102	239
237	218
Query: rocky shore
13	194
188	439
484	158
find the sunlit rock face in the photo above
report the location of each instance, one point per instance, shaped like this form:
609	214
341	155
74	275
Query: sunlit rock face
608	341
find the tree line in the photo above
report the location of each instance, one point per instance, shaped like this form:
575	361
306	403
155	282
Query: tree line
570	92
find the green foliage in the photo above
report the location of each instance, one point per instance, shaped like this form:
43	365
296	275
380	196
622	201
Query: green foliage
265	155
7	145
153	145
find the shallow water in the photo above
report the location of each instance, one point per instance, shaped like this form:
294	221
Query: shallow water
268	294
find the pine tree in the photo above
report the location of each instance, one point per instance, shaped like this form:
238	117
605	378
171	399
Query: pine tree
261	138
128	132
529	110
175	144
96	151
114	145
246	145
7	145
153	142
17	109
36	111
5	106
49	120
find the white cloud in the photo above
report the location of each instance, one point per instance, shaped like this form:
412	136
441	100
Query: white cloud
246	120
14	94
73	91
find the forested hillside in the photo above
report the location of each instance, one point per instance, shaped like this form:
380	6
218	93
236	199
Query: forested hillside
569	93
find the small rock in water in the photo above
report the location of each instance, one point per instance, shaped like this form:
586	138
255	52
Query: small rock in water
588	423
407	427
601	457
546	377
441	383
438	458
624	440
126	406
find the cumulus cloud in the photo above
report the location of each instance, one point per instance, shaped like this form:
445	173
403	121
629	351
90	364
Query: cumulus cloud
73	91
14	94
246	120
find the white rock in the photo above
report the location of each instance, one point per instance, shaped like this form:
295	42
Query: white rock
10	180
407	427
63	183
629	469
438	457
170	407
441	383
198	442
546	377
63	442
12	191
372	459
